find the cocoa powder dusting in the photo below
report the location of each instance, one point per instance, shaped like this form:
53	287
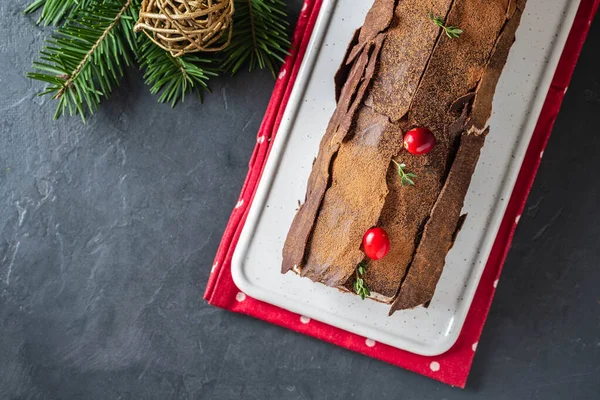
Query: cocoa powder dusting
354	199
453	70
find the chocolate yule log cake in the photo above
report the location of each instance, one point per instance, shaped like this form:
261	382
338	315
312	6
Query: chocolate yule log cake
384	198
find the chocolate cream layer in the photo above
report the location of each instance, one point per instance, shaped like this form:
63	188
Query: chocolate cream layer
401	71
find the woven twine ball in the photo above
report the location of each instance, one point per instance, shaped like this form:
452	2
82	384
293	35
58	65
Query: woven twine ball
186	26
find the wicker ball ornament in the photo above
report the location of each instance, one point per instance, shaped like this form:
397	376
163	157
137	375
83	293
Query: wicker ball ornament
187	26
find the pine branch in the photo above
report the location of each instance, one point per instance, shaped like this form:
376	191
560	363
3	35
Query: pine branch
174	77
82	62
260	35
55	11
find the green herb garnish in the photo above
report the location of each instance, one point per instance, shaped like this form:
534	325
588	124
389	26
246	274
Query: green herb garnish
451	31
405	177
360	287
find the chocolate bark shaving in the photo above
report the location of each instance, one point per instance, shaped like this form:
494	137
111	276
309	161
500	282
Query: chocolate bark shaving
347	121
460	103
408	208
459	225
341	75
410	41
480	113
404	58
511	8
457	65
404	216
295	244
353	91
438	235
359	170
377	20
482	106
375	134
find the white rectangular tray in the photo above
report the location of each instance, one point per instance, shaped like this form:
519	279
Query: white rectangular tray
517	104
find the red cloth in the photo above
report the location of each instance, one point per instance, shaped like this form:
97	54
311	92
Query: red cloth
453	366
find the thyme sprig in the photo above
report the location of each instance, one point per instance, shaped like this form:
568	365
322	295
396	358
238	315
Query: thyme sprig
360	287
406	178
451	31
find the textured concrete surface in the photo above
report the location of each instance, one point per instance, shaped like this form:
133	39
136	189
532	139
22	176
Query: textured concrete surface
108	230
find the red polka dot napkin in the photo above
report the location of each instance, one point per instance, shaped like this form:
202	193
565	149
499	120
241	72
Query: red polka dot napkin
453	366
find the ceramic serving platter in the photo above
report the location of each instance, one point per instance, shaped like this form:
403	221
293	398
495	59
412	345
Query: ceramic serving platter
517	104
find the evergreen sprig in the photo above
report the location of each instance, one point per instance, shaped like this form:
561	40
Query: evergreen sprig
55	11
260	35
174	77
85	58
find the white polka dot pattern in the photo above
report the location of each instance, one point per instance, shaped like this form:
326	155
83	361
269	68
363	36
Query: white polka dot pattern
214	267
496	283
260	139
304	320
370	342
282	74
474	346
434	366
240	297
239	203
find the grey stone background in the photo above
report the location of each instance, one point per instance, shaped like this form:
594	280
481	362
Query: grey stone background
108	231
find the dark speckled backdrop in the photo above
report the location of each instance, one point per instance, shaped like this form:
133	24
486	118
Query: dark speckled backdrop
108	230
